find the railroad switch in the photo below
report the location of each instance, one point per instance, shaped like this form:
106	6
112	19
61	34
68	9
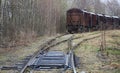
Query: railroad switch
52	60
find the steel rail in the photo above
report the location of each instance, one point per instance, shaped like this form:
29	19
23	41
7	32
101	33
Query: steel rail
43	48
74	47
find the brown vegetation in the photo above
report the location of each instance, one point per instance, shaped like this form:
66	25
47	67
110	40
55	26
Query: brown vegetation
43	17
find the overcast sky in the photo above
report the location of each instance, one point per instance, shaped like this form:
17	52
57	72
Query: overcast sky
69	2
105	1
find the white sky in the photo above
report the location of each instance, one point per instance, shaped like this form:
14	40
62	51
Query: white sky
105	1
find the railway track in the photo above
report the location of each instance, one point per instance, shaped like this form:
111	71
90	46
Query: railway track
43	48
53	42
76	45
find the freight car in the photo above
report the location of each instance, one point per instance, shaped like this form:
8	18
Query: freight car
94	22
116	22
83	21
73	19
87	19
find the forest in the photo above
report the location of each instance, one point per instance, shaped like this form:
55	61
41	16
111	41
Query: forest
22	21
59	36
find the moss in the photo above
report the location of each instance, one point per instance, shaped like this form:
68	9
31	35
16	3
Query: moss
2	58
113	52
117	71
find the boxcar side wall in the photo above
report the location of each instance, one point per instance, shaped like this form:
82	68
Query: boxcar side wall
73	20
87	18
80	20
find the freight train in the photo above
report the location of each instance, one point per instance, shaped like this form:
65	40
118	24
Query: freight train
82	21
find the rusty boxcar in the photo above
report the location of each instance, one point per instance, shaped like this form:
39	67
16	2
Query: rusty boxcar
82	21
73	19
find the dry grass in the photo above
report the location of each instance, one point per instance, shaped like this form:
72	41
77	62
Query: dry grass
90	63
87	52
10	56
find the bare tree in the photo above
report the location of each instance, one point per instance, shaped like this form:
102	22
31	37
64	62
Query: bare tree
113	7
99	7
25	19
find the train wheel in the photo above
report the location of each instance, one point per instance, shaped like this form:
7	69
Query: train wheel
69	31
92	28
98	27
86	29
76	31
95	28
80	29
117	26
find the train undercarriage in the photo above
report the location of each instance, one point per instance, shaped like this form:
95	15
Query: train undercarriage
81	28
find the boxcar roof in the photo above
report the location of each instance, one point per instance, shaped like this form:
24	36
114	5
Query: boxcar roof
79	10
99	14
107	16
74	10
92	13
84	11
115	16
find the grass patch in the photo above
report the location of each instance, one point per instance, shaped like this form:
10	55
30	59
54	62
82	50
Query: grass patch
96	32
117	71
13	55
113	52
